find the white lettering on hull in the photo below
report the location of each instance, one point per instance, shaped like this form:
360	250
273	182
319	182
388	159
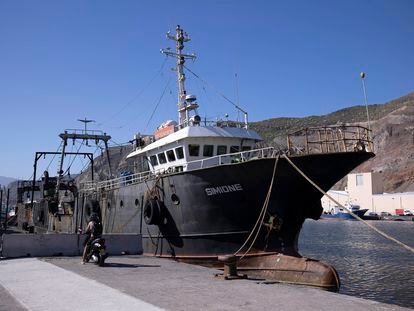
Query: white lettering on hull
223	189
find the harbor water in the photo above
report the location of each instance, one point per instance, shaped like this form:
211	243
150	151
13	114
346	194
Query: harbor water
370	266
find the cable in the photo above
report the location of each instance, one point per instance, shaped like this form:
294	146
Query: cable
139	93
261	216
347	209
67	170
218	92
57	150
158	102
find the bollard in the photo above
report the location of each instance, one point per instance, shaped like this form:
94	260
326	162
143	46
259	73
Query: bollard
230	268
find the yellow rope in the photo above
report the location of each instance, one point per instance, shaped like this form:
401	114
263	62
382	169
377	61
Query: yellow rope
347	209
261	215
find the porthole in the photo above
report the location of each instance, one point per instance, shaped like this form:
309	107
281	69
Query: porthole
175	199
109	205
121	203
136	202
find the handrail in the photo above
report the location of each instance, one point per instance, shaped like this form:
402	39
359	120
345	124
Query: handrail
229	158
326	139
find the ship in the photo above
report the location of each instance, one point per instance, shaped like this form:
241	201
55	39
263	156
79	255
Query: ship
340	213
208	189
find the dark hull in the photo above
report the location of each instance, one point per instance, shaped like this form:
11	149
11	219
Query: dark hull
202	226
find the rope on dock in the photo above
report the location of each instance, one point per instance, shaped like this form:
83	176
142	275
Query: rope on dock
409	248
261	216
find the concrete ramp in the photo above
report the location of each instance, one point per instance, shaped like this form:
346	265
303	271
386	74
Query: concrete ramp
46	245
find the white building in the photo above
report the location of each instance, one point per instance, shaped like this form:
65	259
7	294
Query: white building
366	190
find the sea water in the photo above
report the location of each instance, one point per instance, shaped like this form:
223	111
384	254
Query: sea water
369	265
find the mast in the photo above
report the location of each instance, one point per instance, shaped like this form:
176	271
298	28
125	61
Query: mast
184	104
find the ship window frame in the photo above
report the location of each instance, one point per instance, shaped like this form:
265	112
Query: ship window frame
192	148
220	149
170	155
153	157
234	149
208	150
162	159
179	152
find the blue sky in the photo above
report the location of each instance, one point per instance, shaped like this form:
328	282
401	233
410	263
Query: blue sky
64	60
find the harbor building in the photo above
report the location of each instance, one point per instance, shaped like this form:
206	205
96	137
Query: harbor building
367	191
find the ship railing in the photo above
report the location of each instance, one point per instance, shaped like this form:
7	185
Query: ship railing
329	139
224	159
118	182
231	158
81	131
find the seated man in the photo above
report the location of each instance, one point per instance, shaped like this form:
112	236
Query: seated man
93	231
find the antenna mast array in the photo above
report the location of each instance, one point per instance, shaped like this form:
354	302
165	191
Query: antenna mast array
185	103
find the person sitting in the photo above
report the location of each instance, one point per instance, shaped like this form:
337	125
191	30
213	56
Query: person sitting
93	231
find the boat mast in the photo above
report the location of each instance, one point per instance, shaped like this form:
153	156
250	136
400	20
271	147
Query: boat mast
183	107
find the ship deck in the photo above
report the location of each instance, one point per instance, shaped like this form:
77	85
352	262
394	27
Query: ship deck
147	283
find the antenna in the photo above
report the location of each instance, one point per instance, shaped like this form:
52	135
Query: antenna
236	76
362	75
86	121
183	107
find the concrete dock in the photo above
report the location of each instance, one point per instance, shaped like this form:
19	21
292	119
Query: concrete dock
145	283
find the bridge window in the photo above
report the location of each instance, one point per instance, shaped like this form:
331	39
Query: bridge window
153	160
221	149
179	152
161	158
194	150
234	149
208	150
170	155
246	148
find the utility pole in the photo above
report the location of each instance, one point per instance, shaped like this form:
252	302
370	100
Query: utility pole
1	206
362	75
7	210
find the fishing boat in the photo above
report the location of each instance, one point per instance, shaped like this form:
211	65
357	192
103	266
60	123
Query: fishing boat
207	189
340	213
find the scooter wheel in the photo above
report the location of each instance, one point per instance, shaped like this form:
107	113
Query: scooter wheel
101	261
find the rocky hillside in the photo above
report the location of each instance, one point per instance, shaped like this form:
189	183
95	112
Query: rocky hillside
392	124
4	181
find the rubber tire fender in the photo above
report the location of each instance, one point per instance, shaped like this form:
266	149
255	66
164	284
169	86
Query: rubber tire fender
152	212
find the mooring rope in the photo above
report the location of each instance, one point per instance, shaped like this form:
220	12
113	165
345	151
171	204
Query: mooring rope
347	209
261	215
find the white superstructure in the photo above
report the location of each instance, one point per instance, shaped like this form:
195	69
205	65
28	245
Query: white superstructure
190	140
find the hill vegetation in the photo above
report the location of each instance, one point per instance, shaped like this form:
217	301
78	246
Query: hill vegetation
272	128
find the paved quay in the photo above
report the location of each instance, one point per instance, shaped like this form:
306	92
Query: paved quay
144	283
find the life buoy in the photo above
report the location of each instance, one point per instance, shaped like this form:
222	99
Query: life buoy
152	212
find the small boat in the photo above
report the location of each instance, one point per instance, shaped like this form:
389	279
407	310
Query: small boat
341	213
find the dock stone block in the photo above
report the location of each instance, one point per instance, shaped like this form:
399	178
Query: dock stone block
40	245
119	244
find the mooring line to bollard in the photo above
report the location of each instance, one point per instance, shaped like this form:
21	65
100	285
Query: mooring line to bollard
261	215
347	209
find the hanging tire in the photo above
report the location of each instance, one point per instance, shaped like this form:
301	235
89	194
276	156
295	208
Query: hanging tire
152	212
